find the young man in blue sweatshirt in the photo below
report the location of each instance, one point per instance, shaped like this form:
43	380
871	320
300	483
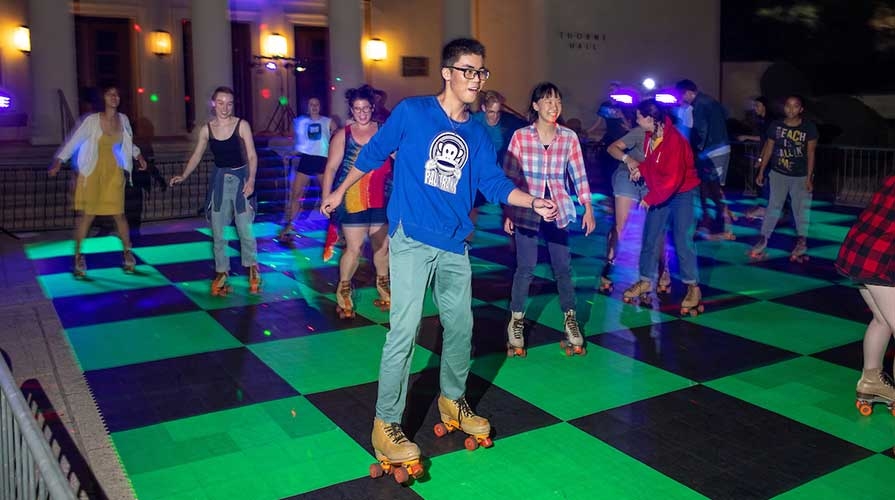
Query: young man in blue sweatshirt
443	158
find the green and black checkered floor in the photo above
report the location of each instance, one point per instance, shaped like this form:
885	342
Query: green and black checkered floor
272	397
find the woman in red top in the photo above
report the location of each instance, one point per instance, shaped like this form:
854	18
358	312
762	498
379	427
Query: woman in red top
672	181
867	256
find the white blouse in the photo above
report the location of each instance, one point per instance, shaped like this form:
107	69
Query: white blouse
85	140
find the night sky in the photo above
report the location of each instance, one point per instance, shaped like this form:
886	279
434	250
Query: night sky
843	46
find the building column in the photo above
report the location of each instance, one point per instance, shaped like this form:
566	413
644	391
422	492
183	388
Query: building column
456	19
346	26
52	68
212	51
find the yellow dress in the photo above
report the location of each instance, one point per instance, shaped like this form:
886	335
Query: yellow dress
102	192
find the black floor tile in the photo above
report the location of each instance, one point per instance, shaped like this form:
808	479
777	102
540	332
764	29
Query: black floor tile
284	319
835	300
488	332
106	307
720	445
508	414
148	393
384	488
852	355
691	350
817	268
712	298
197	270
149	240
506	254
497	285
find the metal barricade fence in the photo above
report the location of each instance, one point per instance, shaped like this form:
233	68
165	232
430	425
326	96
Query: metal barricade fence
28	467
861	173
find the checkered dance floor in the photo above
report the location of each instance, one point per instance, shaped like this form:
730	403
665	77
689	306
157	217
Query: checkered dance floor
273	396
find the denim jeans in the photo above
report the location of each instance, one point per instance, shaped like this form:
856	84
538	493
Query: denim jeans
781	187
527	258
680	209
413	266
222	218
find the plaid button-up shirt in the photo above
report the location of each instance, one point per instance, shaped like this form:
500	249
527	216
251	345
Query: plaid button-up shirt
868	253
536	170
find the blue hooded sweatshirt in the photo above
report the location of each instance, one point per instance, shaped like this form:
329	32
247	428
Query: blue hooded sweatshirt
439	165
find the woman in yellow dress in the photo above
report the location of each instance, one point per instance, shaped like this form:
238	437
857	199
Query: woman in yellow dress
105	149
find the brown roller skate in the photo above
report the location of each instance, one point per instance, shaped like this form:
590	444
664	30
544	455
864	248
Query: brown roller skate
80	269
574	342
799	250
458	415
254	280
396	455
515	339
219	286
757	252
606	284
640	291
130	263
383	286
875	386
664	284
286	234
345	304
692	303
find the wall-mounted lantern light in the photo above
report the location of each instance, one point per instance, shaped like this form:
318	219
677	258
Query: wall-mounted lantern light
160	43
275	45
21	39
377	50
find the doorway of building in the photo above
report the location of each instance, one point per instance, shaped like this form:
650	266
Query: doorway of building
312	49
103	48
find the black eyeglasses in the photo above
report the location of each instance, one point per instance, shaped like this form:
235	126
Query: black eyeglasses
470	73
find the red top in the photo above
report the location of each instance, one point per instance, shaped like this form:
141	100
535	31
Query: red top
866	254
668	169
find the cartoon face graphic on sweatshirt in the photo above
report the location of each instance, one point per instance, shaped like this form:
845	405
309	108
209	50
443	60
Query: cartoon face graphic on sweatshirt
448	154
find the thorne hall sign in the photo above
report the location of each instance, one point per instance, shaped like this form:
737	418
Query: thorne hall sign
582	40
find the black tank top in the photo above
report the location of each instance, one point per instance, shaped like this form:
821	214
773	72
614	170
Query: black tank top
227	153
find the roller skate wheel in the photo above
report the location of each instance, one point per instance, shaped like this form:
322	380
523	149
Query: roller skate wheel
440	430
581	351
865	409
416	470
569	351
376	470
627	300
470	443
401	475
486	442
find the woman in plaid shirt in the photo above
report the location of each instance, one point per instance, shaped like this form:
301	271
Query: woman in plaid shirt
867	256
538	158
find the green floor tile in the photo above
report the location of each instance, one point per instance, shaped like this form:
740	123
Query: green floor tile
148	339
573	387
180	252
824	217
790	328
480	266
259	230
558	462
827	232
596	313
830	252
328	361
266	451
107	279
816	393
866	479
482	239
734	252
757	282
299	259
48	249
275	287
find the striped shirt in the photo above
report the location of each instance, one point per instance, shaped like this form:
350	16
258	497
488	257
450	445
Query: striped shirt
538	171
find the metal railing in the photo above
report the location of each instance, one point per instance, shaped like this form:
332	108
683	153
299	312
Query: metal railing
28	467
66	118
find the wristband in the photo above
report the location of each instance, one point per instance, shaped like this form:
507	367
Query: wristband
624	158
533	200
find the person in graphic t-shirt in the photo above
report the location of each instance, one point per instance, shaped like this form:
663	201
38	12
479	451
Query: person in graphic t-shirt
789	153
312	133
444	158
